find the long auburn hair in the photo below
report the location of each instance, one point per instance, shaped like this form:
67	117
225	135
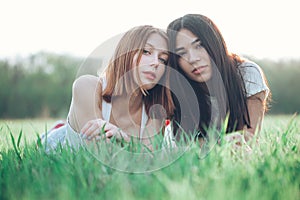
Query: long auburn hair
132	43
231	95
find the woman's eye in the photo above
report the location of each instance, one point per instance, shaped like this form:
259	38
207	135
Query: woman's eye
146	52
199	46
163	61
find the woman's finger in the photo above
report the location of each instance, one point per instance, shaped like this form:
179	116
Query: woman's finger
86	127
93	128
95	133
117	133
100	129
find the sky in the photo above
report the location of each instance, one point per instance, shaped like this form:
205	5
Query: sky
259	28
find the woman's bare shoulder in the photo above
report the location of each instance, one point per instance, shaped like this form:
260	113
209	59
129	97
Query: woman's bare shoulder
86	87
86	82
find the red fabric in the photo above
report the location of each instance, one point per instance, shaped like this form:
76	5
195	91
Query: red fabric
167	122
58	125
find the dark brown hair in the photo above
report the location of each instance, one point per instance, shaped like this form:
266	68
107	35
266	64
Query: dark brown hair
232	94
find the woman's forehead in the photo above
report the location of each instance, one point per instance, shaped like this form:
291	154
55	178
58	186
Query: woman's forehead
157	41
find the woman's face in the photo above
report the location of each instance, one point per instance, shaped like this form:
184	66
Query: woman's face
153	61
193	57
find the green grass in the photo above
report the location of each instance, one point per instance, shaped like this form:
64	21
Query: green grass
272	171
29	128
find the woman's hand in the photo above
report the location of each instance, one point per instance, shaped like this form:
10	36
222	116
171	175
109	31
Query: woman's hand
100	129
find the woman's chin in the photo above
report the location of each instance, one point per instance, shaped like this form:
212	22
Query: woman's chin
148	86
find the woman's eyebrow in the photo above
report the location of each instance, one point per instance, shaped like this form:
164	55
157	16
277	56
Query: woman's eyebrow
193	42
178	49
149	45
165	53
152	46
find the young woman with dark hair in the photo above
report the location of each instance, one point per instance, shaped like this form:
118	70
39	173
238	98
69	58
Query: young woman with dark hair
225	84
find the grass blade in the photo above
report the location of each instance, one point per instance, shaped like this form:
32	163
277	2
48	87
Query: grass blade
17	151
19	138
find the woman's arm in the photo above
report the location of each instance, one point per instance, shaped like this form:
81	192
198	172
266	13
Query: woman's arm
85	116
256	107
84	106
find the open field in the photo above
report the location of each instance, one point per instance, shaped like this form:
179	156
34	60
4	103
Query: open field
271	171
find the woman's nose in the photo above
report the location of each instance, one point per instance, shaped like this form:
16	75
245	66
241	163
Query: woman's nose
193	56
155	61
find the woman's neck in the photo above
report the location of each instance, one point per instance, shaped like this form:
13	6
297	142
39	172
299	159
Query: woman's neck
135	101
131	102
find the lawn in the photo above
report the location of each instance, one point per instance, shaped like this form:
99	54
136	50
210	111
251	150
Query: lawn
271	171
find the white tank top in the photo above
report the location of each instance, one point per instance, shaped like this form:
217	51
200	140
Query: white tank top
106	110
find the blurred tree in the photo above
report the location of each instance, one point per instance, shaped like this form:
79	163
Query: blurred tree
41	84
283	77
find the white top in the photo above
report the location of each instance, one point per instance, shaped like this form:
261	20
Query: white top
253	78
106	110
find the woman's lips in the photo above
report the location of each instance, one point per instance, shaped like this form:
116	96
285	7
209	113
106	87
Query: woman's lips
199	70
150	75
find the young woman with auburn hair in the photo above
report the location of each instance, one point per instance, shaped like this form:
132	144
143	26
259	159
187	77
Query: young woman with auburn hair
132	99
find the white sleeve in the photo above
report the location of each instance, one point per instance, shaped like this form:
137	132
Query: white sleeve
253	77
